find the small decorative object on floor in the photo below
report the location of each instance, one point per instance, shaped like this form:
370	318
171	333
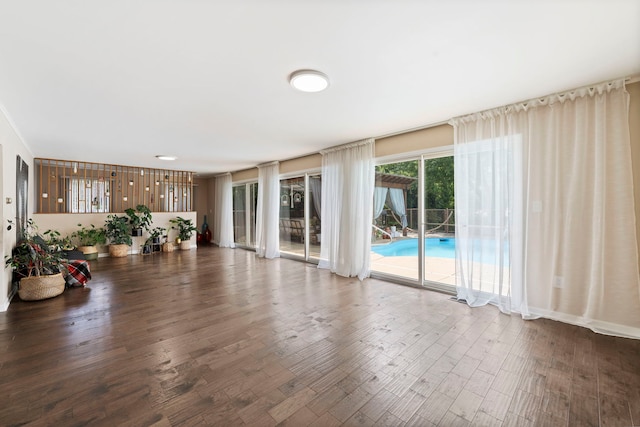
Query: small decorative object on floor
206	232
79	273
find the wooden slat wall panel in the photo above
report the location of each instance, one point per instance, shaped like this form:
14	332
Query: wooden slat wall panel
162	190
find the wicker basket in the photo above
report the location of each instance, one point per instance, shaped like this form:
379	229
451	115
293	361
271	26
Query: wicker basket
167	247
118	250
41	287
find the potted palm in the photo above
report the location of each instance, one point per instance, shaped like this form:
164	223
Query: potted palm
38	269
139	219
88	238
185	230
118	233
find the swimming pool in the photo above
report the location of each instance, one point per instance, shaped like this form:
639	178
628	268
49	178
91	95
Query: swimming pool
433	247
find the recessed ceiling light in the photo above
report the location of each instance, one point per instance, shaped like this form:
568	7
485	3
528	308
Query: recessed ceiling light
309	80
165	157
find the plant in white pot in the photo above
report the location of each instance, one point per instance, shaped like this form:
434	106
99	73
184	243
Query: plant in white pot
118	233
38	269
185	230
88	238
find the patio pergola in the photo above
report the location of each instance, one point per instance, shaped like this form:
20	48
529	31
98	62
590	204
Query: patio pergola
393	188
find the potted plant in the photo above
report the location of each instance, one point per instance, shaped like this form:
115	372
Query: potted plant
118	233
38	268
139	219
88	238
55	241
185	229
147	247
156	234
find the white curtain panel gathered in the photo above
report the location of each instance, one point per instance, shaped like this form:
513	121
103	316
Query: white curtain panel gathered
396	196
379	197
348	180
223	224
545	221
315	185
268	211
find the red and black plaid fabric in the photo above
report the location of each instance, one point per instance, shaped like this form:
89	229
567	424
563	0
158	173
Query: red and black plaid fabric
78	273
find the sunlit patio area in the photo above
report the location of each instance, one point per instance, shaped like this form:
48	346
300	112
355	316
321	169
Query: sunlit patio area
437	269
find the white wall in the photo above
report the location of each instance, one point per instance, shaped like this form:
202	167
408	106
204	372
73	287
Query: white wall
11	145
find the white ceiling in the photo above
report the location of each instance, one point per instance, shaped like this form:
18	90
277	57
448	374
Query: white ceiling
119	81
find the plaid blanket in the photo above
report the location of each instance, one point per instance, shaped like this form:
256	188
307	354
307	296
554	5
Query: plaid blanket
78	273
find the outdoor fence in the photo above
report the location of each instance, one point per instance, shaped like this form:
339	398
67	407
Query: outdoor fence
436	220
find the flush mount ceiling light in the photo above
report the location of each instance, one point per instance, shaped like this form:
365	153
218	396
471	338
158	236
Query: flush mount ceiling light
165	157
309	80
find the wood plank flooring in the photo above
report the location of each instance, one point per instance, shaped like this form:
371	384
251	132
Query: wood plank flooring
220	337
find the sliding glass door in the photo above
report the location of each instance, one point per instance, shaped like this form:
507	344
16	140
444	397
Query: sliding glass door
300	212
394	234
245	198
413	234
292	216
439	263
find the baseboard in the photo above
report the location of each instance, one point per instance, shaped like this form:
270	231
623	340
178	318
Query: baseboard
598	326
5	304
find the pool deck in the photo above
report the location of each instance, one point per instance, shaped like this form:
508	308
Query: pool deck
441	270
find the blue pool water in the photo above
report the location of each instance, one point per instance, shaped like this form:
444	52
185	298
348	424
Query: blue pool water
441	248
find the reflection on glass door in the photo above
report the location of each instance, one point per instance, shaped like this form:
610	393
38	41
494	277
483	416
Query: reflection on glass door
314	191
292	217
244	220
300	216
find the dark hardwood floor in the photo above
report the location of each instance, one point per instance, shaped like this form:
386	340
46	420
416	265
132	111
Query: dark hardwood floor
220	337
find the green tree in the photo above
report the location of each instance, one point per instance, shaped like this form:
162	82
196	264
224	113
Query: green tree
439	186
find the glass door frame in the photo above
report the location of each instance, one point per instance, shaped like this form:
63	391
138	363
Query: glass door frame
422	220
307	215
249	226
421	282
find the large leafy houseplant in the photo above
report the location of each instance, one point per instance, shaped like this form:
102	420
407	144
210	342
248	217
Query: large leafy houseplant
32	256
118	233
117	230
37	267
139	219
88	238
184	227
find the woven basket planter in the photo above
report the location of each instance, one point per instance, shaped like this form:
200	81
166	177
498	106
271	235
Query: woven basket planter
168	247
41	287
118	251
90	252
185	245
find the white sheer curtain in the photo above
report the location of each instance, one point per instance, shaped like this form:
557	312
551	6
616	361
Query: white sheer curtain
348	180
268	211
315	185
223	224
379	197
396	195
545	209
